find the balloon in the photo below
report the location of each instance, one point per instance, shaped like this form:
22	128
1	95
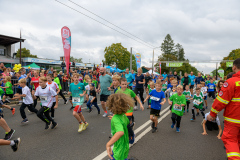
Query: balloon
19	65
14	68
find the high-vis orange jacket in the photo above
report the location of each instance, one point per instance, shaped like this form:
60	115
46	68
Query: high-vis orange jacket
229	99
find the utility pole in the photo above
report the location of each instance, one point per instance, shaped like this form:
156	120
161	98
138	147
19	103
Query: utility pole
20	60
152	61
216	70
130	59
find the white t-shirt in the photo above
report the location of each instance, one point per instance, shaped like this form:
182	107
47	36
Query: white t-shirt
46	95
54	86
204	89
28	99
215	121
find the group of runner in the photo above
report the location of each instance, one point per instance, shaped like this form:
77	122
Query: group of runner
119	105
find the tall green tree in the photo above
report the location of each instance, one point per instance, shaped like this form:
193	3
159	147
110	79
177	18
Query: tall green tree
180	52
77	60
25	53
116	54
167	47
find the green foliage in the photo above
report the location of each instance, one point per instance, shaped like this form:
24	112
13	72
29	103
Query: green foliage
25	53
180	52
167	46
117	54
77	60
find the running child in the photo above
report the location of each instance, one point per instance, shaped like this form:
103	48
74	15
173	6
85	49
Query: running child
157	100
55	87
129	113
212	125
119	104
56	79
211	89
78	91
178	101
46	95
92	99
1	102
188	96
27	100
204	92
9	90
197	103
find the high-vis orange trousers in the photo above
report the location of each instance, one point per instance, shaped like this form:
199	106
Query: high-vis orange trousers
231	140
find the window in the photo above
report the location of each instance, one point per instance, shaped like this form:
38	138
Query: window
2	52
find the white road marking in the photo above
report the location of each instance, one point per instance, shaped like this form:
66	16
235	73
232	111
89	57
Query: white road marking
137	138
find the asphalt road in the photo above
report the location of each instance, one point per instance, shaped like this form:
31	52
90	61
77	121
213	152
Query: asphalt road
65	142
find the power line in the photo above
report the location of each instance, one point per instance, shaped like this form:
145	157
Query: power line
105	24
110	22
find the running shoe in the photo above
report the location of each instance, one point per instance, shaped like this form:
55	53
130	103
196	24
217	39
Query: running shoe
48	125
132	139
154	130
193	119
173	124
25	121
177	129
16	145
65	102
153	125
85	126
54	125
9	135
105	115
135	108
72	108
80	127
13	111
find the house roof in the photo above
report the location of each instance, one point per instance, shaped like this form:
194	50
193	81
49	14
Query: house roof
7	40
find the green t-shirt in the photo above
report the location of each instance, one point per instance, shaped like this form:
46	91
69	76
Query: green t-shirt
198	99
56	80
9	90
150	90
85	83
176	99
207	81
95	83
1	92
130	93
76	90
164	87
187	93
119	123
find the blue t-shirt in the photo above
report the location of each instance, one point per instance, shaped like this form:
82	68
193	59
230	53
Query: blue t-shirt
164	76
133	76
129	78
192	77
156	99
76	90
169	86
211	87
139	79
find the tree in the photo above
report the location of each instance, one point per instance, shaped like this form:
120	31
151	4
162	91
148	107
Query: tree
117	55
234	54
167	46
25	53
77	60
180	52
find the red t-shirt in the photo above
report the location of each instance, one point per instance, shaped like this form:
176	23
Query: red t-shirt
35	82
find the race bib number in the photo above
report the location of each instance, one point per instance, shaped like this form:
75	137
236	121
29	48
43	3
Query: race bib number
177	108
90	97
76	100
211	87
155	98
196	102
43	98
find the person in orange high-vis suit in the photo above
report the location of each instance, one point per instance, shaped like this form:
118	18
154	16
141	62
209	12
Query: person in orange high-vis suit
229	99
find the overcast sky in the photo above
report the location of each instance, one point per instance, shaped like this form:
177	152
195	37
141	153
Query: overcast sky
207	30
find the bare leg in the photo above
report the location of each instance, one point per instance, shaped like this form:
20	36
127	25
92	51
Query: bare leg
4	142
4	125
81	116
75	114
103	105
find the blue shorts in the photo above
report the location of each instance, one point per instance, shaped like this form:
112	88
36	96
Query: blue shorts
205	97
114	158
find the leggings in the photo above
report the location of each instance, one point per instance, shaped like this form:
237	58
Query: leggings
193	113
187	105
52	109
43	114
90	105
35	102
176	118
140	92
61	94
30	107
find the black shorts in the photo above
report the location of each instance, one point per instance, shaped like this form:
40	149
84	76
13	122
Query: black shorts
103	97
9	95
19	91
70	98
211	126
155	112
191	87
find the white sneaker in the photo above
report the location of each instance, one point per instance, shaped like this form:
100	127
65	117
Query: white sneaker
135	108
80	127
105	115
